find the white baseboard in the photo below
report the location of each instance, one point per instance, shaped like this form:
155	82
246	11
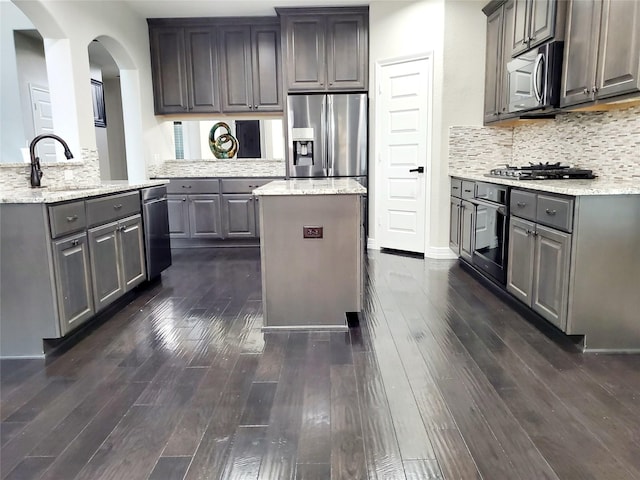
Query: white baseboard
440	253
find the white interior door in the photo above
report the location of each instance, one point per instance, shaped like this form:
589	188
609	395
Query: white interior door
42	122
402	139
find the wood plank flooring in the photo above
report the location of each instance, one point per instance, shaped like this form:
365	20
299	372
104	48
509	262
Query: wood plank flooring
441	379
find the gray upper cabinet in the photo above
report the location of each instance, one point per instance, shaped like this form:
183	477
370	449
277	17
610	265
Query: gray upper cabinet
500	26
602	51
73	281
326	49
184	69
251	68
533	24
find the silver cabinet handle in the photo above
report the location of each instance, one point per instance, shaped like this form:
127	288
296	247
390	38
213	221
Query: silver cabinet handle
550	212
72	218
74	243
117	206
186	186
468	191
521	204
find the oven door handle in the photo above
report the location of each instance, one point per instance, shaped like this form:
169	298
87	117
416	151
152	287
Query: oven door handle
501	209
536	72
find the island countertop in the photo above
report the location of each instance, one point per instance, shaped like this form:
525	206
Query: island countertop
312	186
62	193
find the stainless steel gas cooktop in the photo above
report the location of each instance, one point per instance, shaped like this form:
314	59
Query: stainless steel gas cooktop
541	171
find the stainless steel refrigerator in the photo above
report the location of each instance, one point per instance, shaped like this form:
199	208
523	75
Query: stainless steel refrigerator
327	135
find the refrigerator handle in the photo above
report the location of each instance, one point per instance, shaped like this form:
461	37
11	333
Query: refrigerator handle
324	134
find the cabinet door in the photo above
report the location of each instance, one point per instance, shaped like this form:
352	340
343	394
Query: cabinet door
235	63
267	68
202	70
519	38
542	21
73	281
168	65
131	240
204	216
580	51
178	208
467	230
256	202
454	225
551	274
106	276
305	52
493	66
619	49
502	94
238	216
520	261
347	52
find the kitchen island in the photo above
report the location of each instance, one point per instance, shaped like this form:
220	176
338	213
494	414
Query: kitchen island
311	246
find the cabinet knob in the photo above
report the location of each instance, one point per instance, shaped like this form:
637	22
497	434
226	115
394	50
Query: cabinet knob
550	212
184	199
585	91
521	204
255	107
594	89
72	218
186	186
74	243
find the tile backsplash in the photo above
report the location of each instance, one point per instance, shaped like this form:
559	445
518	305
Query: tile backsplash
606	142
85	172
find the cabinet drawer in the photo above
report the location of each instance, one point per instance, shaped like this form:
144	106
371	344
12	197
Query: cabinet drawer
186	186
523	204
468	189
243	185
107	209
67	218
555	212
456	187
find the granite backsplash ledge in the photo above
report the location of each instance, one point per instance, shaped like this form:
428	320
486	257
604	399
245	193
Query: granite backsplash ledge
606	142
219	168
85	171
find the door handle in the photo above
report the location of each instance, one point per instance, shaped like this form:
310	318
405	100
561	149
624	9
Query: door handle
419	170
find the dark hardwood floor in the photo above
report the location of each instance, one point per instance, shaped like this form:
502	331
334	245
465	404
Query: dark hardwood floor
440	380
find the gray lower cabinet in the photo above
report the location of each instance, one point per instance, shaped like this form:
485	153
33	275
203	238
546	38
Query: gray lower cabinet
194	216
117	259
454	225
538	268
239	216
467	229
326	48
73	281
601	52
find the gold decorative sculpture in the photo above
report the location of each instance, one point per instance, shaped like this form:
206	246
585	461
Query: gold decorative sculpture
224	146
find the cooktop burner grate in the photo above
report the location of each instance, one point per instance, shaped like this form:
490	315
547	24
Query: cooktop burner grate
542	171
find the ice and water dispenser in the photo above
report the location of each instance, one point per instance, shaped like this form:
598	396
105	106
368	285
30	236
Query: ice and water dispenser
303	147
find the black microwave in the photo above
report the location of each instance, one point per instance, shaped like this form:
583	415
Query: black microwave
534	79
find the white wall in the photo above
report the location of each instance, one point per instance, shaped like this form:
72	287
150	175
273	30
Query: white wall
115	129
32	69
125	35
12	134
454	31
101	134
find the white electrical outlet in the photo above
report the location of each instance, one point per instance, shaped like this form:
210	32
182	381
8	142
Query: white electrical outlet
68	174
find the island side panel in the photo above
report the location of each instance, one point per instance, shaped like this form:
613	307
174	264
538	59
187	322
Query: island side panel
605	289
310	282
27	303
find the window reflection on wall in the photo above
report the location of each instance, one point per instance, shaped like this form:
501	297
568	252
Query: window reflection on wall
262	139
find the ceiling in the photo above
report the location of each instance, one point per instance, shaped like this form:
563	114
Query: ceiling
225	8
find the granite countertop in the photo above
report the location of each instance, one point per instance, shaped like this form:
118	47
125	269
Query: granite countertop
61	193
312	186
597	186
233	167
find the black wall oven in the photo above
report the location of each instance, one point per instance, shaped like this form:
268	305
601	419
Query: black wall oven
491	230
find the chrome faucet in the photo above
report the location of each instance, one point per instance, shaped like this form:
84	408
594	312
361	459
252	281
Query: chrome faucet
36	171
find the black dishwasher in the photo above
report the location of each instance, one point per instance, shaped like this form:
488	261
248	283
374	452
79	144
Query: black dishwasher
155	217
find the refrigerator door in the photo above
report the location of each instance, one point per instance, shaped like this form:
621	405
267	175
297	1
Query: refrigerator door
307	135
347	135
